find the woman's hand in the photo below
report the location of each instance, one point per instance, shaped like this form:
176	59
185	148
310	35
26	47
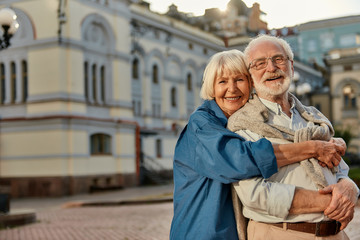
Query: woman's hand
329	153
340	142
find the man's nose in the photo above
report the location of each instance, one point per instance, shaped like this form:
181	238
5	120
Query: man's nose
271	66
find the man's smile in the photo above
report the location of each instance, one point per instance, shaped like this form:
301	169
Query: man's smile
273	78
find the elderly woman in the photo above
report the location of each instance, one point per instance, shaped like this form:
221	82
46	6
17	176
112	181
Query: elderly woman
208	157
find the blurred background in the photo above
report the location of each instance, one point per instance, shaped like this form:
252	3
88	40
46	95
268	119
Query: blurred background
94	93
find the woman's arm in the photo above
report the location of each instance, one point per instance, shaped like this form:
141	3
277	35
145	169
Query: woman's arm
326	152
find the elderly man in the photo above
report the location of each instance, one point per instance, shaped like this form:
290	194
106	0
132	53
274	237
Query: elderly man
294	203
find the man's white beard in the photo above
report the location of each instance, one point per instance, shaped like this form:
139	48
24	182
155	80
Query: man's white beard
276	90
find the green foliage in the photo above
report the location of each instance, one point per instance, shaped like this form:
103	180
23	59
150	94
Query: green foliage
354	174
344	134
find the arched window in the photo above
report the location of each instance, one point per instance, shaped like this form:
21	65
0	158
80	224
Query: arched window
13	82
2	83
100	144
24	77
173	97
135	69
102	83
86	80
155	74
349	97
158	148
189	82
93	75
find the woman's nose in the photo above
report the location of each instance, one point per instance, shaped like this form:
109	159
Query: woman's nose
232	87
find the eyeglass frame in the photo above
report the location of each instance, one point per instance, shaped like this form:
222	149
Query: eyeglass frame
267	60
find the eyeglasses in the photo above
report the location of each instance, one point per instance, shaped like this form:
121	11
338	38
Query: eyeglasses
262	63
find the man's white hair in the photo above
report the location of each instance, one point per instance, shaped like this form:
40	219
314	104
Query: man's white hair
264	38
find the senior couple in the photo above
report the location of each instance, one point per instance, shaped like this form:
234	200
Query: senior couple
259	166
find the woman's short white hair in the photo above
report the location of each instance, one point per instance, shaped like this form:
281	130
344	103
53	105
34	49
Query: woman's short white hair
231	60
267	38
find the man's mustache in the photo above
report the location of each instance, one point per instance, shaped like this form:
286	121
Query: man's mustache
276	74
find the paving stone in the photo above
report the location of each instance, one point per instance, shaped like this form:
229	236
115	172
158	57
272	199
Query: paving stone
140	222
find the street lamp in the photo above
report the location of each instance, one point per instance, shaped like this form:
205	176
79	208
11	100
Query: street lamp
300	89
9	26
295	79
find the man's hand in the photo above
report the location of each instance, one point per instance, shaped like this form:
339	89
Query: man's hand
343	201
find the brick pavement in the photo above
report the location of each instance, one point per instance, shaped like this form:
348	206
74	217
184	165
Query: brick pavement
128	222
133	222
124	222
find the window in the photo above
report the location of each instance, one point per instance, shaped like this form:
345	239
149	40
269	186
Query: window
136	107
102	84
100	144
13	82
156	110
189	82
311	46
173	97
158	148
86	80
349	97
24	77
93	74
155	74
135	69
348	68
2	83
327	40
205	51
348	40
190	46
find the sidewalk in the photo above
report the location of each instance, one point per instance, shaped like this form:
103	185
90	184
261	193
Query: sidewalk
59	217
150	193
105	217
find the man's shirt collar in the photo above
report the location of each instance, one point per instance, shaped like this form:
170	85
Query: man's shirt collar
275	107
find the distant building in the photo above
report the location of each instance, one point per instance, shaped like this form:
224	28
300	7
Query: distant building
237	20
311	41
344	73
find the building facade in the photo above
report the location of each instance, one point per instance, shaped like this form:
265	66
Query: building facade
91	90
317	38
344	68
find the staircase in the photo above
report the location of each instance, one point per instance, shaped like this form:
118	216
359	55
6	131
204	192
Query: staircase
152	172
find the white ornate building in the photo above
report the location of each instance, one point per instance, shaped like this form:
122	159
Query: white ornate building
90	89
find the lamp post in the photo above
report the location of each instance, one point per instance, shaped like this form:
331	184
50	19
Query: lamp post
300	89
9	26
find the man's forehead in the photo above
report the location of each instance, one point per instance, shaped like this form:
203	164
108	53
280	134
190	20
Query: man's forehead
265	49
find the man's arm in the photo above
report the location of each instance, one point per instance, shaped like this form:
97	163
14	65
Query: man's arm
309	201
277	200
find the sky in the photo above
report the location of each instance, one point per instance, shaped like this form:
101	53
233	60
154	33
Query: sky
279	13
